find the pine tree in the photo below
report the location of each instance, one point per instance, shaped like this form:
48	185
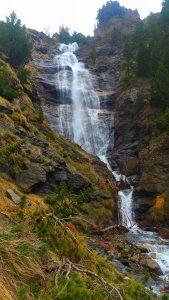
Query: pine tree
14	41
128	57
143	61
160	88
64	35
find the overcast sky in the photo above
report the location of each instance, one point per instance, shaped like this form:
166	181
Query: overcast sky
79	15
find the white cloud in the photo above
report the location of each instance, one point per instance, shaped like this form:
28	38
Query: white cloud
79	15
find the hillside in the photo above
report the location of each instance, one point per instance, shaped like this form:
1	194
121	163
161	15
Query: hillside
55	200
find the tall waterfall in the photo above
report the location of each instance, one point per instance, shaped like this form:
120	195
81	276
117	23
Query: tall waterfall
82	121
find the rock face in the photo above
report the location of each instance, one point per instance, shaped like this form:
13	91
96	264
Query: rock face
155	166
134	147
55	105
35	157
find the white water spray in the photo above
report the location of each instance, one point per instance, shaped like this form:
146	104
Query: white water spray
86	127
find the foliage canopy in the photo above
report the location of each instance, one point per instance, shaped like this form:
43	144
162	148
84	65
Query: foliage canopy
14	42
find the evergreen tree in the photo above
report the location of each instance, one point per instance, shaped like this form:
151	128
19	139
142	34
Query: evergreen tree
109	10
94	54
79	38
14	41
165	13
143	61
128	57
160	88
64	35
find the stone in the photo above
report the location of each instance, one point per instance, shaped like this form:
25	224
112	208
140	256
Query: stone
77	183
152	265
13	196
154	255
143	247
31	177
135	258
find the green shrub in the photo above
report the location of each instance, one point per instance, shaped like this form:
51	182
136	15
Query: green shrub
24	249
162	122
160	88
22	292
64	203
41	115
35	289
24	75
128	82
23	202
140	103
75	289
6	89
62	207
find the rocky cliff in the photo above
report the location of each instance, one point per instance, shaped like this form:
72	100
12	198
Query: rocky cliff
136	148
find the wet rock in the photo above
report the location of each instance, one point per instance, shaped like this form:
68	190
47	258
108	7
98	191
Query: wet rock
152	265
13	196
142	205
143	247
154	255
107	99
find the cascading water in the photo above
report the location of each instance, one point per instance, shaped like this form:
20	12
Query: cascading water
82	122
86	127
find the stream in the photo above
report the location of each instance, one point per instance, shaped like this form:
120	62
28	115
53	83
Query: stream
80	119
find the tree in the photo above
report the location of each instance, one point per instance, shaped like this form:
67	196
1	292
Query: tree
64	35
143	61
79	38
14	41
160	88
109	10
165	13
128	57
94	54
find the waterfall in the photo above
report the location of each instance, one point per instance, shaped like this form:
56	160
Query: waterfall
81	120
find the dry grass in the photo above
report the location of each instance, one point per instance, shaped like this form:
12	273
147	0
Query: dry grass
19	262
